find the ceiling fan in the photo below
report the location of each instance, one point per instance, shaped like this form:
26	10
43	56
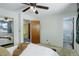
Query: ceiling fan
34	6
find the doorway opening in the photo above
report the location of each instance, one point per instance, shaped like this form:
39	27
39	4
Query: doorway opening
26	30
68	40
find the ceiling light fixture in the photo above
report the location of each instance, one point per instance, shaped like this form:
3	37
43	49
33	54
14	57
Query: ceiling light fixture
33	8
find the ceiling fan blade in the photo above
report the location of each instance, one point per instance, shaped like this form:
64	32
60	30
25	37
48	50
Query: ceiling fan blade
36	12
26	9
31	4
26	3
43	7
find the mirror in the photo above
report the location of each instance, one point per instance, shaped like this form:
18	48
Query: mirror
77	30
6	32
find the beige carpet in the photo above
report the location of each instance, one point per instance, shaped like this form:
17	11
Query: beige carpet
66	52
62	51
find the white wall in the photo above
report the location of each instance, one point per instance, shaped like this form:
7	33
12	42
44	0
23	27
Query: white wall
52	28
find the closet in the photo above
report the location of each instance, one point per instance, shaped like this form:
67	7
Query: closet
32	31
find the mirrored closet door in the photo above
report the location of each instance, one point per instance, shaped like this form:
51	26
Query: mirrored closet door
6	32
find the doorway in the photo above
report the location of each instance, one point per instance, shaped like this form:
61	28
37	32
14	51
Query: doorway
31	31
26	31
68	41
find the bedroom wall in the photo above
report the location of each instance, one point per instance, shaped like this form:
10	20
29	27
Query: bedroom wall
52	27
51	30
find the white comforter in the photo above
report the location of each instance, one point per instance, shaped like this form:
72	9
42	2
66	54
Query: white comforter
35	50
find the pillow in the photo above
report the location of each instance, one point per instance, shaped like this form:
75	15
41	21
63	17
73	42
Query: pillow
4	52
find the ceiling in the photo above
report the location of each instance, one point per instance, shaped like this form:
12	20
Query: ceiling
53	8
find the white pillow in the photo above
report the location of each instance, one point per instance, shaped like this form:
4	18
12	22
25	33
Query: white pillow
4	52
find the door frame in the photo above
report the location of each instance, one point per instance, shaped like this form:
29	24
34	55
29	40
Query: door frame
28	29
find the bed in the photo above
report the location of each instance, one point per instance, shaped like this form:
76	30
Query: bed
5	40
34	50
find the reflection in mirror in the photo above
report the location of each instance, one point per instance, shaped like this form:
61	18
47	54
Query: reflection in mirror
6	32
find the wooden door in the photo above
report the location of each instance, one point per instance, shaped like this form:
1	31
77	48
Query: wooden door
35	27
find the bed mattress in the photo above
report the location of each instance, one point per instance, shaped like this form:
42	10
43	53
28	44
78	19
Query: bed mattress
35	50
